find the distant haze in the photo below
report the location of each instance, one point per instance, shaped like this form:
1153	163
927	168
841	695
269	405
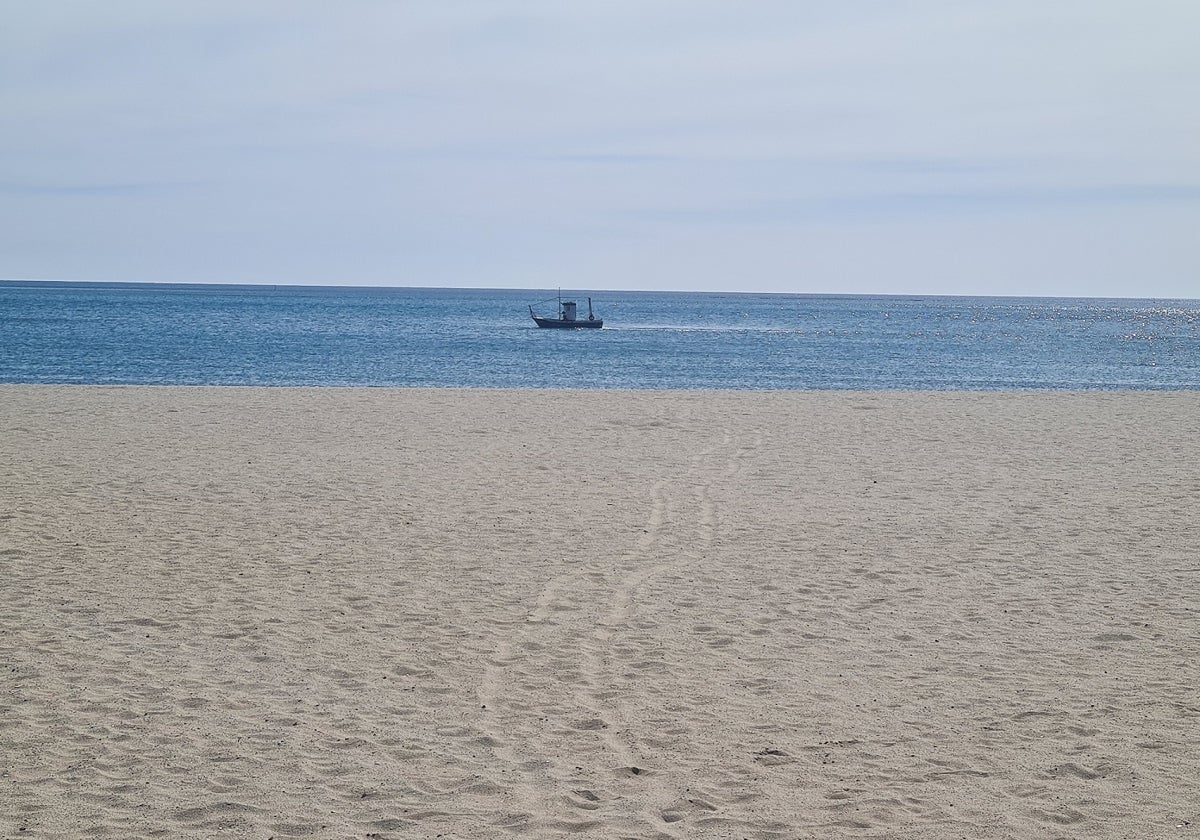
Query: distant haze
932	146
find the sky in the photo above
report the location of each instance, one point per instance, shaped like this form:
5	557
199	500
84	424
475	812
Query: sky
1029	147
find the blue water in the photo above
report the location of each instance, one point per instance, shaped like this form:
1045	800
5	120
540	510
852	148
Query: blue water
262	335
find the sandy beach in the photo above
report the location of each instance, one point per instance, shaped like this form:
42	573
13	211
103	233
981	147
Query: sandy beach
239	612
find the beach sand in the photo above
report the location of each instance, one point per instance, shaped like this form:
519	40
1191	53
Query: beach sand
234	612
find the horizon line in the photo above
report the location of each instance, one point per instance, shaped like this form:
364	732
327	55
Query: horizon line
43	282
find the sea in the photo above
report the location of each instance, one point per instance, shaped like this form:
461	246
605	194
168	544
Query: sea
168	334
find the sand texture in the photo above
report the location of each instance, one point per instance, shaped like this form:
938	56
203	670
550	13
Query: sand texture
472	614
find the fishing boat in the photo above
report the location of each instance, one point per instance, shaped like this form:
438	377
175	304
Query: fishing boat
566	316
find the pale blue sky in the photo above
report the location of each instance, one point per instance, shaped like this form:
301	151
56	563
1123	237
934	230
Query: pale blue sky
969	147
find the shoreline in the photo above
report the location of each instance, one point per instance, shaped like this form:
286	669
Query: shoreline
1031	392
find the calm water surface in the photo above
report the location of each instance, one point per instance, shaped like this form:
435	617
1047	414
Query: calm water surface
261	335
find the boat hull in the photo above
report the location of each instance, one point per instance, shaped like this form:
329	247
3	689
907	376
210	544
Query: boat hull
562	324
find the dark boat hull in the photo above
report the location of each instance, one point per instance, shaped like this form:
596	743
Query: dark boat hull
560	324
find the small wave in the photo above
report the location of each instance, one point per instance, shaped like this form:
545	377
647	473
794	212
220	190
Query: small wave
1142	337
677	328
